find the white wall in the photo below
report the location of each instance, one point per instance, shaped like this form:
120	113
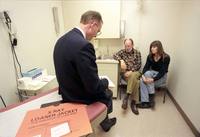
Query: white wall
184	84
176	25
155	20
33	21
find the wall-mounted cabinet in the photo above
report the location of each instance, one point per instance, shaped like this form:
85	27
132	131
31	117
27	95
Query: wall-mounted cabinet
110	11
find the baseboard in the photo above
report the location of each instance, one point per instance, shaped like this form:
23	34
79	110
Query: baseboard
185	117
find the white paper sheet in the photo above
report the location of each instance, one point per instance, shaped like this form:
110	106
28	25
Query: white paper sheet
60	130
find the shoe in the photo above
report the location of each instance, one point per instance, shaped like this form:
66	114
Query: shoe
134	108
152	104
107	123
151	100
144	105
125	102
151	97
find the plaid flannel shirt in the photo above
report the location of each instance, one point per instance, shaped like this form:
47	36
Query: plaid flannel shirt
132	59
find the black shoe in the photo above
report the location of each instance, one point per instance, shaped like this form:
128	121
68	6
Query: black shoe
108	123
151	100
151	97
125	102
152	104
134	108
144	105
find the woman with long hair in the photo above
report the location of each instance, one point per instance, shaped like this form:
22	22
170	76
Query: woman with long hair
154	73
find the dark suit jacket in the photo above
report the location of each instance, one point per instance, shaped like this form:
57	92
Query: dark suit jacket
76	69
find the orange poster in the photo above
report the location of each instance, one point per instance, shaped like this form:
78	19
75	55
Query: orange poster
64	120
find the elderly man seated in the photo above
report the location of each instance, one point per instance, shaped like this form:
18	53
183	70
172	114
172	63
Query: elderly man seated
130	61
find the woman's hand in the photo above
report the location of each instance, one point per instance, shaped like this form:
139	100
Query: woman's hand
150	80
147	80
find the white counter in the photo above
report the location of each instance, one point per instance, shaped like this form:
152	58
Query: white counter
109	61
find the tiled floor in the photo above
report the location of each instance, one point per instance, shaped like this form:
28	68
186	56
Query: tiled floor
164	121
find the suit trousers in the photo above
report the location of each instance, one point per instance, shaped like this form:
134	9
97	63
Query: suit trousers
106	99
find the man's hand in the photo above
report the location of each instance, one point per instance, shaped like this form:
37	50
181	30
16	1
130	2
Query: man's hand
105	82
123	65
127	74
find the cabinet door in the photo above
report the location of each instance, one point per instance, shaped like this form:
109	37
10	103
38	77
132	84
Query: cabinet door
110	11
110	70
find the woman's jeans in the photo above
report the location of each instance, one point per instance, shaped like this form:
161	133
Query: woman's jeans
146	89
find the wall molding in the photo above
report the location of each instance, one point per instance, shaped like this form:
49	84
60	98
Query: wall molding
185	117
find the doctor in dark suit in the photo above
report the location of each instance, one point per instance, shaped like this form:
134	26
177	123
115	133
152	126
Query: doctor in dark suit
76	68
